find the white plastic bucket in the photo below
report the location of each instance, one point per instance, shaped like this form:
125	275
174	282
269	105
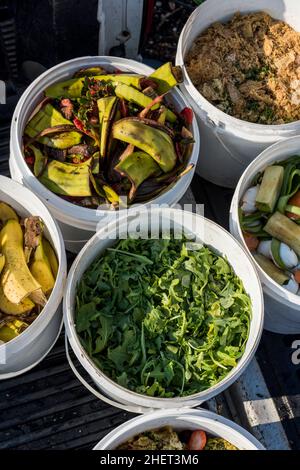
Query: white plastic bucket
205	231
228	144
282	308
25	351
78	224
181	420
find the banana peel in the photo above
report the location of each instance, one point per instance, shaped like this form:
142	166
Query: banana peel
137	167
51	256
7	213
2	262
73	88
40	268
16	279
153	141
90	72
107	107
67	178
11	330
40	160
46	118
166	76
9	308
130	94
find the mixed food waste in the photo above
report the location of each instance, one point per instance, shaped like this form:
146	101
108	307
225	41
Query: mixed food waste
162	317
28	269
249	68
104	137
168	439
270	220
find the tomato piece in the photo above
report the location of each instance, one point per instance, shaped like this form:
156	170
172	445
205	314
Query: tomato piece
197	441
188	115
251	241
294	201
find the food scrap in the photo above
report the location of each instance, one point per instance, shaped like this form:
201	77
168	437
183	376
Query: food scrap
270	221
162	317
249	68
168	439
102	137
28	269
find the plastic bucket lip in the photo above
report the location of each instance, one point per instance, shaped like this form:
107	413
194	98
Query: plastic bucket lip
260	163
9	186
65	211
213	423
213	112
112	388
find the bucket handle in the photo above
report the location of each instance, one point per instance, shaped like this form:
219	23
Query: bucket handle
131	409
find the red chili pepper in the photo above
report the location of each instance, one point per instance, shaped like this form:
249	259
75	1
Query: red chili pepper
188	115
93	92
79	124
29	160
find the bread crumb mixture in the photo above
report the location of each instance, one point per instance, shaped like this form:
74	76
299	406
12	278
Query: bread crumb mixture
249	68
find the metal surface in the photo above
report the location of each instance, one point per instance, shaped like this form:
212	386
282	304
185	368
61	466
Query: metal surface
47	408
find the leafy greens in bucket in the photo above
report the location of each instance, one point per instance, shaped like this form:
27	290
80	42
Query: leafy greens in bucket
162	319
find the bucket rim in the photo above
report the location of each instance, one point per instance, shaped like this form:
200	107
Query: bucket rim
206	416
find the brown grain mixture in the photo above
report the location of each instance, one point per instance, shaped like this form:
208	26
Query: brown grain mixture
249	68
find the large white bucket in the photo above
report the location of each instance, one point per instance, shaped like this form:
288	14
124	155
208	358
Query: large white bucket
228	144
25	351
181	420
78	224
205	231
282	308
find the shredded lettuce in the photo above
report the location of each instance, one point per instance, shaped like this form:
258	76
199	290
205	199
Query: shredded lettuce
162	319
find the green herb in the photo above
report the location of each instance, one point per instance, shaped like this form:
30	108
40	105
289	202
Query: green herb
258	73
253	106
162	319
268	114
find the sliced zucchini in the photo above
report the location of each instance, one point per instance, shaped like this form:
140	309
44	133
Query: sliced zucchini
270	188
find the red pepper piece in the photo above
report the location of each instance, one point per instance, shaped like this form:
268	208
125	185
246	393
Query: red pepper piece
29	160
79	124
188	115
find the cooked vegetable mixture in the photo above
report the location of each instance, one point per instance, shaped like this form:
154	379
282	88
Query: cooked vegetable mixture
249	68
163	319
168	439
270	220
28	268
103	137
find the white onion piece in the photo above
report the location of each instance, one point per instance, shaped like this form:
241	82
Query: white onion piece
264	248
288	256
248	200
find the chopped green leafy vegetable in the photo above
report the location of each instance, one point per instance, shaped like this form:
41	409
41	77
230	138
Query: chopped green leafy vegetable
162	319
